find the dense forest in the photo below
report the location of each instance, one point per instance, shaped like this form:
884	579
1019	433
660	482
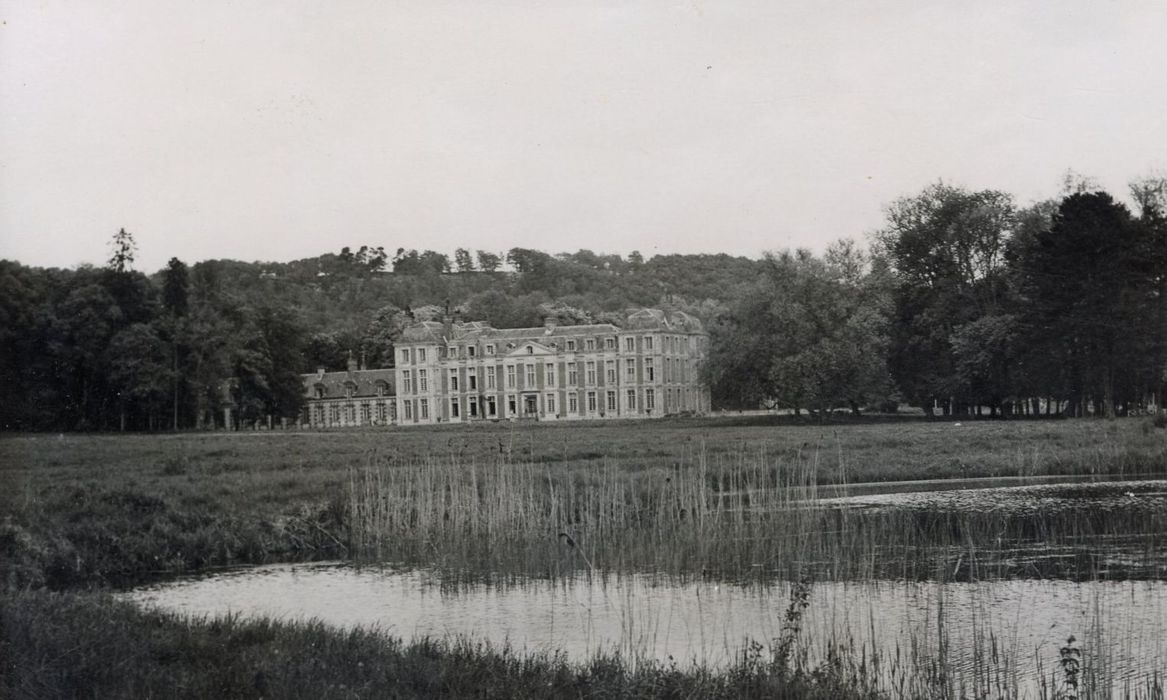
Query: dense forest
962	303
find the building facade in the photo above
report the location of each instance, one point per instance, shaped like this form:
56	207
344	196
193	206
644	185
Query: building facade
355	397
460	372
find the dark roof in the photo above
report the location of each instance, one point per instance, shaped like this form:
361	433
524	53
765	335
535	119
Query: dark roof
637	319
363	381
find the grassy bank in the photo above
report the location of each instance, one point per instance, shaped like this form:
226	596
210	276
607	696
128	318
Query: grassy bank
89	646
724	497
84	510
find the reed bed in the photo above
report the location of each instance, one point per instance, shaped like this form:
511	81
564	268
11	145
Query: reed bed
749	516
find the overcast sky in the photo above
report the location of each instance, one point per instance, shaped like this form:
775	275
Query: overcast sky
279	130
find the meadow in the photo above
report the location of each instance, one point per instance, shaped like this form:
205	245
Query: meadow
686	497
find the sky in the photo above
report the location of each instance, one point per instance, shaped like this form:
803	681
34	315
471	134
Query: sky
278	130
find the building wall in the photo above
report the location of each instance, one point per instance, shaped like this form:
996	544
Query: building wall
550	374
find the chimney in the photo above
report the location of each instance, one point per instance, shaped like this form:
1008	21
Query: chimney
352	362
550	323
363	361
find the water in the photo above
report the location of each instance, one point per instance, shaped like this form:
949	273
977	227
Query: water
1121	626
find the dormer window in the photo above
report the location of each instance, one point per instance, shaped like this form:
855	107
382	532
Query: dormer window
350	389
470	350
489	349
319	391
530	350
571	346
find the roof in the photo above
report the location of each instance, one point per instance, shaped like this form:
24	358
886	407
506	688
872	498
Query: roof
363	381
637	320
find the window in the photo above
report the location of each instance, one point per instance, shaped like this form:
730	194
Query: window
530	376
649	374
630	344
422	382
490	349
591	402
611	401
609	343
590	344
381	412
510	376
421	354
407	381
407	406
490	377
491	407
472	406
649	399
648	342
572	403
530	350
453	380
630	369
454	411
512	408
610	372
591	374
405	357
366	414
549	404
349	389
572	375
319	391
549	375
471	380
381	389
451	352
423	406
571	346
471	350
630	403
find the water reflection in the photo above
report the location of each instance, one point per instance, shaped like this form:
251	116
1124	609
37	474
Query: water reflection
1010	628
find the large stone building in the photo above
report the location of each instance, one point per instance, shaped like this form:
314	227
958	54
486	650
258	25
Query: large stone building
460	372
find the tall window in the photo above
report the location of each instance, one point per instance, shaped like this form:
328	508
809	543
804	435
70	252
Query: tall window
648	342
591	402
472	406
510	376
549	375
407	407
471	380
572	402
423	406
491	407
422	383
549	404
406	381
470	350
455	411
649	399
490	377
405	357
530	383
453	380
649	373
611	401
421	354
490	349
512	407
610	371
630	403
591	374
590	344
571	346
609	343
630	369
630	344
572	375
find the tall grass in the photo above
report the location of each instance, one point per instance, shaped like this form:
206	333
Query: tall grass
749	516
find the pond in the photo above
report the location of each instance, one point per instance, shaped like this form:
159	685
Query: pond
996	630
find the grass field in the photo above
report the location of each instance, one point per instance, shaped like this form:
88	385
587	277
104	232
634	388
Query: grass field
87	511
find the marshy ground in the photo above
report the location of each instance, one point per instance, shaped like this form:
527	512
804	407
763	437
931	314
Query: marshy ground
727	498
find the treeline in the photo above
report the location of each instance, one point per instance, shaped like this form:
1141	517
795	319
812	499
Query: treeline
112	348
966	304
963	303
